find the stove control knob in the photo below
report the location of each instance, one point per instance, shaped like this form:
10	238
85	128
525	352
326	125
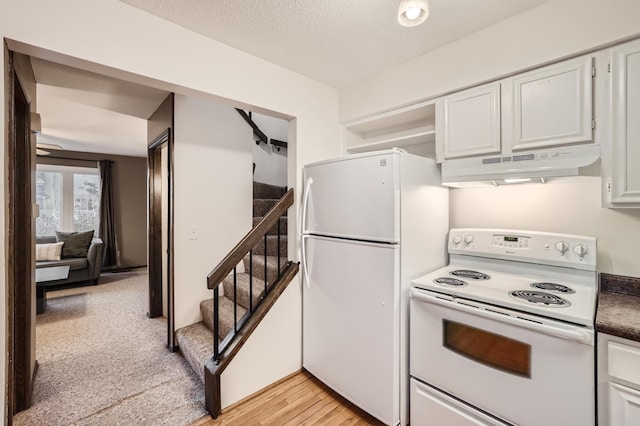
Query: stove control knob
457	240
468	239
562	247
580	250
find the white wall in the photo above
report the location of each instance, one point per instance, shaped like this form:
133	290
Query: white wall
271	164
212	166
111	37
555	29
267	353
572	208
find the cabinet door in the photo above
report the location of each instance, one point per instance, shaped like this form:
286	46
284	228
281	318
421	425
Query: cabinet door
472	122
624	405
625	125
551	106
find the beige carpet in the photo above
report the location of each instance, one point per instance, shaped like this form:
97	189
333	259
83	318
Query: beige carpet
103	362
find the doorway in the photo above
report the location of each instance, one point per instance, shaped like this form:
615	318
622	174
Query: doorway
160	264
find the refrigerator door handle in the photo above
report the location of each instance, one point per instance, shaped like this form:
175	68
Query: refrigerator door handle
303	229
305	273
305	202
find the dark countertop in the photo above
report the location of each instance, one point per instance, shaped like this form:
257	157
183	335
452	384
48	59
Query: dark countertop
618	311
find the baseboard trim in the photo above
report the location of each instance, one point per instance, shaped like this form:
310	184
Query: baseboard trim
116	269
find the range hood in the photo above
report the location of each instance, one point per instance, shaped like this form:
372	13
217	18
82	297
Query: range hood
539	165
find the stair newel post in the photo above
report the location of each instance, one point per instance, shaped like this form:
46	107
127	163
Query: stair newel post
216	329
250	280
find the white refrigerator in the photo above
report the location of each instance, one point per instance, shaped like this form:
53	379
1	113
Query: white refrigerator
370	224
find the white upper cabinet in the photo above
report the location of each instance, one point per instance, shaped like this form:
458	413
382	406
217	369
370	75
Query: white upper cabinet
472	122
551	106
623	180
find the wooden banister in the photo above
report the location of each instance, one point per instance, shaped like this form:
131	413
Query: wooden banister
243	328
249	241
213	369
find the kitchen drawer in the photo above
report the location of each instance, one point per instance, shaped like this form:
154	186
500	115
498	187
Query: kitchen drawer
623	362
430	407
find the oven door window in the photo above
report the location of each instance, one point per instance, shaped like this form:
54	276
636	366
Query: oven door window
488	348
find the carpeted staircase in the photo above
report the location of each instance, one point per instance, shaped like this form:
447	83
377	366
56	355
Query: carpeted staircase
196	341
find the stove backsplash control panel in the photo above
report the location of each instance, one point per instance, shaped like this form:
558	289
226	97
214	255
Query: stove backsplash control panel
574	251
511	241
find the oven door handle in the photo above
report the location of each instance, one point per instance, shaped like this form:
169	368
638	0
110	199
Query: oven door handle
449	302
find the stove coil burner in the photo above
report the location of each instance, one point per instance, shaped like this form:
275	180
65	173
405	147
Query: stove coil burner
448	281
557	288
466	273
540	298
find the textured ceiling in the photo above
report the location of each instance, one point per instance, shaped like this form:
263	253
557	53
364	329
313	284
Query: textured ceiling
336	42
89	112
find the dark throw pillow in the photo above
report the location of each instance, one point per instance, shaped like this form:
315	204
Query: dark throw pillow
76	244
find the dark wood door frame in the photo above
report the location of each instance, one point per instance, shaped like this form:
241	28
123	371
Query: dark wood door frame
156	233
20	266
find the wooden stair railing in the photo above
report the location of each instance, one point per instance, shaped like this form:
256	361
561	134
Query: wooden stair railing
224	352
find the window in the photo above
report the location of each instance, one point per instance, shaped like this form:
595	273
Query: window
68	199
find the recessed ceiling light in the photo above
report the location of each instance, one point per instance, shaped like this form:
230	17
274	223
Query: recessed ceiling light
412	12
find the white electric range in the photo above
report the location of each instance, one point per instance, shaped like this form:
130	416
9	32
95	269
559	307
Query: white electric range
508	321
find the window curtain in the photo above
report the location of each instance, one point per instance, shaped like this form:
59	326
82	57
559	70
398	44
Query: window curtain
107	229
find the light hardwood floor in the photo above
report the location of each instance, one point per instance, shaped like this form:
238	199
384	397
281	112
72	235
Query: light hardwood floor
300	399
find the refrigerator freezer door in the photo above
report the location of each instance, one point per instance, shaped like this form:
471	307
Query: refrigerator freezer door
351	322
354	198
